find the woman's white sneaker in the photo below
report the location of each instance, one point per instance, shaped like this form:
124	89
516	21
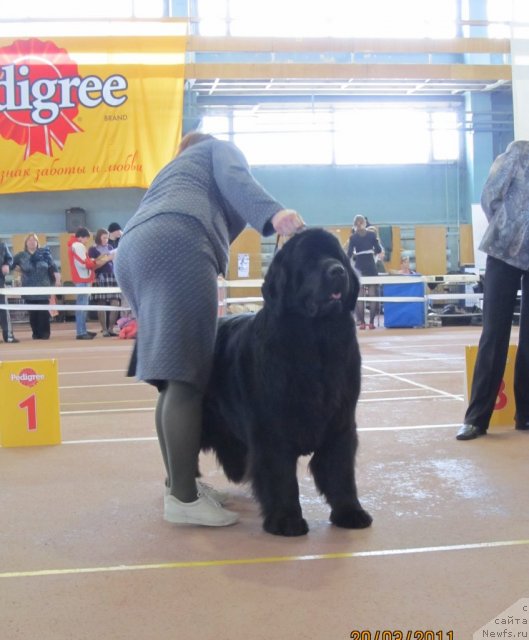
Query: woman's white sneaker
204	489
204	511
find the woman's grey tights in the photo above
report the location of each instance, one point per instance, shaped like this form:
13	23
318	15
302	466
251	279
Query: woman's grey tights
178	423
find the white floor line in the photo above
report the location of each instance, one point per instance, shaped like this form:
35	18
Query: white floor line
93	411
81	412
438	396
82	373
111	440
428	345
422	427
188	564
450	372
98	386
417	384
391	360
400	390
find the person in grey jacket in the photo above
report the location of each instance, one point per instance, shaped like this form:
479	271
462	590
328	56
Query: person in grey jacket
505	200
170	255
6	260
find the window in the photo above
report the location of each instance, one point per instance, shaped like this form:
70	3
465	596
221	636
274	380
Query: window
24	9
370	134
445	136
338	18
382	136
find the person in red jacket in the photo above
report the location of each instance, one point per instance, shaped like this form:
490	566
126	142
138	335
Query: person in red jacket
82	269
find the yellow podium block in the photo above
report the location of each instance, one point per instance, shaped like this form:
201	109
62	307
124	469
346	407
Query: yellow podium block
504	409
29	403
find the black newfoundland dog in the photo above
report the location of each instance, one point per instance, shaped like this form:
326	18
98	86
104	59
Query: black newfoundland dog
285	384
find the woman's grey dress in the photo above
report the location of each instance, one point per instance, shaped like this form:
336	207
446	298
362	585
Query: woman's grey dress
176	245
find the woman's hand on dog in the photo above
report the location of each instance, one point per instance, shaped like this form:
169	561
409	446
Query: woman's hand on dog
287	221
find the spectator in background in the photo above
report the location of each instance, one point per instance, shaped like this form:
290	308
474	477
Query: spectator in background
114	234
83	272
104	277
505	201
405	268
6	260
363	248
37	269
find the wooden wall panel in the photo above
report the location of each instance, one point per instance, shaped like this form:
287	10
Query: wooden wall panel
394	263
342	232
66	273
466	245
430	249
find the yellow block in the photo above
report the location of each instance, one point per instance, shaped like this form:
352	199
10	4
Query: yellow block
29	403
504	409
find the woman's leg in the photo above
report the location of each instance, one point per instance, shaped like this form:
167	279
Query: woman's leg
521	370
102	317
80	316
373	306
43	321
33	321
501	285
360	308
180	419
179	424
113	315
159	430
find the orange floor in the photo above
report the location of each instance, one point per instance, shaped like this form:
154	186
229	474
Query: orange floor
85	554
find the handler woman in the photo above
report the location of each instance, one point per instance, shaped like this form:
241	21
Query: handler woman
505	201
170	255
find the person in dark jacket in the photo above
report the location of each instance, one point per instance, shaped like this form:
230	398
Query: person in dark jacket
169	258
6	260
364	247
114	234
505	201
38	269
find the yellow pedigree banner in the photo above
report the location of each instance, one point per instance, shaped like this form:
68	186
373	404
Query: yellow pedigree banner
88	112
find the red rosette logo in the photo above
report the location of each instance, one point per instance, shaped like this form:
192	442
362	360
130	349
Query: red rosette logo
27	377
38	99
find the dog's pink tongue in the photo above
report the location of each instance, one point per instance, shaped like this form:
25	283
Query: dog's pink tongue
336	296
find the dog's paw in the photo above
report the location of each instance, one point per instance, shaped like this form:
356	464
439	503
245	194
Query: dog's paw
281	525
351	518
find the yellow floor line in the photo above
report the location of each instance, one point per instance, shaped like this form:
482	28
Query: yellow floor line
267	560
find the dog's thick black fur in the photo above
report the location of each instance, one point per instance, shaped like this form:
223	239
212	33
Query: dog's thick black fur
285	383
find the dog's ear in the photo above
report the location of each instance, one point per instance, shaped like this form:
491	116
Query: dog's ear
354	285
275	283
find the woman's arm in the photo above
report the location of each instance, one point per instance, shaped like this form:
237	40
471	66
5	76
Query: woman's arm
247	198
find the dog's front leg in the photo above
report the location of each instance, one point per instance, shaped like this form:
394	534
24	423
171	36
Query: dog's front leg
332	466
276	487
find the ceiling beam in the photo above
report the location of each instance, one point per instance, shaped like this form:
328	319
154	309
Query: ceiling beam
261	71
203	44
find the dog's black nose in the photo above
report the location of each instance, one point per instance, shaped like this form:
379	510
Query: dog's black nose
336	270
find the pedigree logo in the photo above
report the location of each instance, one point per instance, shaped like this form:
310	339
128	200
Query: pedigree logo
40	94
27	377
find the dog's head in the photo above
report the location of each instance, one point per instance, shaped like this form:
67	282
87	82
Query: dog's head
311	276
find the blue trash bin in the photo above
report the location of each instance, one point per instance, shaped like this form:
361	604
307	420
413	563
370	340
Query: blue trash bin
404	314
